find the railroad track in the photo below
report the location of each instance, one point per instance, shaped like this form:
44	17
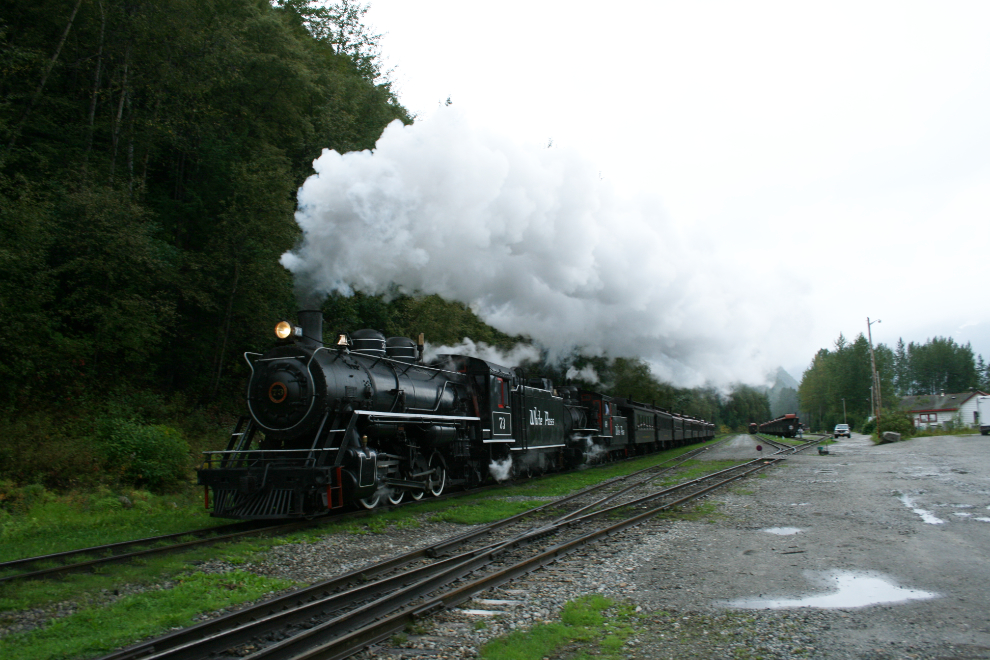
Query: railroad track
336	618
89	558
783	447
85	559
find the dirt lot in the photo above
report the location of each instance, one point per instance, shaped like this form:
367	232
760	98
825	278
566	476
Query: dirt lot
911	521
869	552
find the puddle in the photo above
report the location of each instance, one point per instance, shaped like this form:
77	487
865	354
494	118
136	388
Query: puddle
962	515
982	519
850	590
808	503
782	531
962	506
927	516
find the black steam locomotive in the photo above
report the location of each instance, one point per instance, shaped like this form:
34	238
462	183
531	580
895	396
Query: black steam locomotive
365	420
785	426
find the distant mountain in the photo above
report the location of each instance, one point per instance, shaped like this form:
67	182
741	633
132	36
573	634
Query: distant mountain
784	379
783	394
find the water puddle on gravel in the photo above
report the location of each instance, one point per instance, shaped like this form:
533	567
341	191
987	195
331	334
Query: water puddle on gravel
782	531
927	516
852	590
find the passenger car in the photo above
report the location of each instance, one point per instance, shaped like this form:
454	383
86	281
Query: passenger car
841	429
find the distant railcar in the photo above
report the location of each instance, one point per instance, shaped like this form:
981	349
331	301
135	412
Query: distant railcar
785	426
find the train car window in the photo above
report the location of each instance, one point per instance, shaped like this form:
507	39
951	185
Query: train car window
501	392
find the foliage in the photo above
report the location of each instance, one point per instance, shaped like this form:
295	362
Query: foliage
938	365
155	455
148	166
844	373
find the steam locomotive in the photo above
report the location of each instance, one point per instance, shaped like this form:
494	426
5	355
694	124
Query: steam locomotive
785	426
365	420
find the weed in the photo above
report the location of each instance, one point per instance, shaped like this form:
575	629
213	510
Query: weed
582	621
415	629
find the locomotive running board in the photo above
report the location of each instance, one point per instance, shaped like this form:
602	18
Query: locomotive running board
413	417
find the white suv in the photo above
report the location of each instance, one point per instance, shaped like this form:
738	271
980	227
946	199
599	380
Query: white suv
841	429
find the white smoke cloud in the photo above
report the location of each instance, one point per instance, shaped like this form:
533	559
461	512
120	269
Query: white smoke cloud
500	470
538	245
587	374
514	357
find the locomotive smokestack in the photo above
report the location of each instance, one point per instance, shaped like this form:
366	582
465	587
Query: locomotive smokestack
311	321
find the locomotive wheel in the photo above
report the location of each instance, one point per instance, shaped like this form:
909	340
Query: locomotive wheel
370	502
396	497
439	481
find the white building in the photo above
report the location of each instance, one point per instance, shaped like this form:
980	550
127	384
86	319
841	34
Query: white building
943	410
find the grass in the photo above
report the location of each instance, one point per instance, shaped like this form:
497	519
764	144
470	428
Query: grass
704	511
98	629
593	624
72	522
57	523
146	572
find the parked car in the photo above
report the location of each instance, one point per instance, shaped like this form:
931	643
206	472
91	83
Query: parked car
841	429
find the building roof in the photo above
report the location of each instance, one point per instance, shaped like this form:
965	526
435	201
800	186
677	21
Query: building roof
932	402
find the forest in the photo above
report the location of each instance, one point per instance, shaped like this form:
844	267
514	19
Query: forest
842	377
150	153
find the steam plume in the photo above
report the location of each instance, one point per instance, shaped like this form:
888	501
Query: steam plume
512	358
537	244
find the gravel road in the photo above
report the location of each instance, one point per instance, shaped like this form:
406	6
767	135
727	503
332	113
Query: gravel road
868	552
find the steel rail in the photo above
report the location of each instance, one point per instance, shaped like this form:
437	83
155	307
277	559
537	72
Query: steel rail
208	536
123	545
381	628
303	602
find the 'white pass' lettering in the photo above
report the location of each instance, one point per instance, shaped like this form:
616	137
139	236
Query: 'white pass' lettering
539	417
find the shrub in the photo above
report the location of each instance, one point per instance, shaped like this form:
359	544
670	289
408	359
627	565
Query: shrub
899	422
155	456
20	499
892	421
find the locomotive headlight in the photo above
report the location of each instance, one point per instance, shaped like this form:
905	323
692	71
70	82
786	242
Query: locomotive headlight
283	330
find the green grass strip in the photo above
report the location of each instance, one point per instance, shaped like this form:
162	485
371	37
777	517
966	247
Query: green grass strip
583	622
58	526
97	630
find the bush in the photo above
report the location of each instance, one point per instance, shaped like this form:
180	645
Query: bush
891	421
898	422
155	456
15	499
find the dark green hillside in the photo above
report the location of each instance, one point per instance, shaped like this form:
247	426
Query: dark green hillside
149	157
150	152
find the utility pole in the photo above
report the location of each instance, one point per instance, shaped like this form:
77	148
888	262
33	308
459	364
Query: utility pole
876	379
844	411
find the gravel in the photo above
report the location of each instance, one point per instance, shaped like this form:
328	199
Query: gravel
857	512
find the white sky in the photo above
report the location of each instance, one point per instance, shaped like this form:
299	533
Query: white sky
849	142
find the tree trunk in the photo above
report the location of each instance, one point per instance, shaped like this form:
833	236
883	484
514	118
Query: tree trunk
118	120
44	79
226	330
96	86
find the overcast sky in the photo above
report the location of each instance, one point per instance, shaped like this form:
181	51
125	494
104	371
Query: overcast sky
844	147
